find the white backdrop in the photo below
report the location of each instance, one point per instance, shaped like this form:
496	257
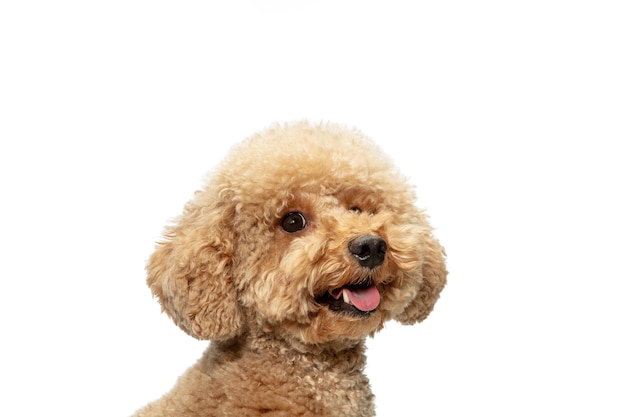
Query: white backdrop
509	117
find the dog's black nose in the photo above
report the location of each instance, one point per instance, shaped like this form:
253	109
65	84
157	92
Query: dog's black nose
369	250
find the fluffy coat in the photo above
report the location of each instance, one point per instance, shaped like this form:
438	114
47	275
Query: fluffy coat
303	242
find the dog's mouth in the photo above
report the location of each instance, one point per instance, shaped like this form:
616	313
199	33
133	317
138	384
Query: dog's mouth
361	299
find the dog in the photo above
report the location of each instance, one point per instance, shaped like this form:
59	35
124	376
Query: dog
302	243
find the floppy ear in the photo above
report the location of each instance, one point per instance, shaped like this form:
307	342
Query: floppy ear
434	273
190	271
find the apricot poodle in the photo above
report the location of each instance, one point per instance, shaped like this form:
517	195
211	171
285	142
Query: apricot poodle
302	243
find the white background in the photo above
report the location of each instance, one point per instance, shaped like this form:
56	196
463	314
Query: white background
509	117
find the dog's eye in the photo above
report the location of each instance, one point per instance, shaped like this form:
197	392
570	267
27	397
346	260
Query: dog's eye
356	209
293	222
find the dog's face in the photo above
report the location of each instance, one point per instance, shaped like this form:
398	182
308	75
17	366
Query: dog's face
306	230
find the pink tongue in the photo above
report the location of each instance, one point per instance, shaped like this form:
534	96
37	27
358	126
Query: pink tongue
365	299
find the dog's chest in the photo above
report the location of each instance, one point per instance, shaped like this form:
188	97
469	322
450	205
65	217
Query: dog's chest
341	394
289	385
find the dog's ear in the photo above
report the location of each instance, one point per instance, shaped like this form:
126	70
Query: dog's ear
190	271
433	274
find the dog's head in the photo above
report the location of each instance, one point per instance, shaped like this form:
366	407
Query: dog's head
304	228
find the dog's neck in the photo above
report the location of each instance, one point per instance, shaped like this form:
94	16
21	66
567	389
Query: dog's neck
344	355
271	374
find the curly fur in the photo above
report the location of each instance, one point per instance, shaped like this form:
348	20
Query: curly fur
226	271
